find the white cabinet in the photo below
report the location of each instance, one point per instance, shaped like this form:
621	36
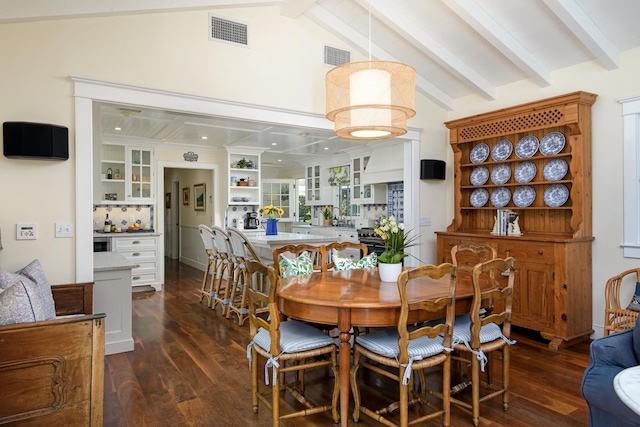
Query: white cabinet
244	178
365	194
313	185
126	174
143	252
140	175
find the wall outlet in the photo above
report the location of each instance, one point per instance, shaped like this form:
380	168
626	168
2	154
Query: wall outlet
64	229
132	219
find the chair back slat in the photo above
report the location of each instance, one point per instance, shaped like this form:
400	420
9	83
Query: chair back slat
261	275
317	254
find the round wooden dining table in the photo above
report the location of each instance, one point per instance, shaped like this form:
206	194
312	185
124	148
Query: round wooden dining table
358	298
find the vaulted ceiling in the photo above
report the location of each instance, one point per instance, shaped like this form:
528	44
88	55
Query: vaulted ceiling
458	47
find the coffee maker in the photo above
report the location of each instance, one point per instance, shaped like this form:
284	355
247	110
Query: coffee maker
251	220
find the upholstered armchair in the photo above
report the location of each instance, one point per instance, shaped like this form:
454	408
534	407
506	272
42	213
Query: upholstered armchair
609	356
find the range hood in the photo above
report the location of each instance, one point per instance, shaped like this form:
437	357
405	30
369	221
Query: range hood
386	164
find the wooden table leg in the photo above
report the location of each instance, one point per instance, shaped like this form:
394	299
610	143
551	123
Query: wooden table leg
344	349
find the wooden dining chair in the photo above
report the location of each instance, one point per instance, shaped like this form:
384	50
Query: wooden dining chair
338	249
407	349
287	347
298	259
466	255
617	317
480	332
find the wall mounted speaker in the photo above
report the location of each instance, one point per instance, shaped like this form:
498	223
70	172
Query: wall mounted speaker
26	140
432	169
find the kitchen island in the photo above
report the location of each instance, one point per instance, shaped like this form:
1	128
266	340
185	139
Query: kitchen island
112	296
264	245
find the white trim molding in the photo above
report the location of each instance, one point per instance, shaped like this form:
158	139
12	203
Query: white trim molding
631	181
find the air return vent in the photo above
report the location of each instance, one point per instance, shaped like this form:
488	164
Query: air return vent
333	56
228	31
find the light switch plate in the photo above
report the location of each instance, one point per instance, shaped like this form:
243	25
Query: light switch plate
64	229
26	231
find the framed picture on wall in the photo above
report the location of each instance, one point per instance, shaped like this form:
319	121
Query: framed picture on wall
199	197
185	196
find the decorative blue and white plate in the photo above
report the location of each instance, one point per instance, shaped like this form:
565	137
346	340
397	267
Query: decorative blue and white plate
525	172
479	175
500	197
555	169
556	195
479	197
552	143
479	153
501	174
527	146
502	150
524	196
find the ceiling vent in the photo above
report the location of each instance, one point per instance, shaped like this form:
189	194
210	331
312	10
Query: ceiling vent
228	31
333	56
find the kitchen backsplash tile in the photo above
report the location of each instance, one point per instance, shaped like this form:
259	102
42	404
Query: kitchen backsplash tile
395	195
120	215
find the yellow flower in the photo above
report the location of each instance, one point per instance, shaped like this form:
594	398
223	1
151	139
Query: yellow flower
271	212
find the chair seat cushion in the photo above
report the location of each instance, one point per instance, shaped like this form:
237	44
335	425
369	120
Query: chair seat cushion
295	336
462	331
385	343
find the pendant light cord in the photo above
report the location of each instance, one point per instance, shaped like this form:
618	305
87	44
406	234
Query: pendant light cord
369	3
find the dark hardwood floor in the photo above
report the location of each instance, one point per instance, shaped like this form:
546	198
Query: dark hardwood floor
189	368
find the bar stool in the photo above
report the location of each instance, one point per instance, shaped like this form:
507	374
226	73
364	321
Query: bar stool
242	252
213	263
225	279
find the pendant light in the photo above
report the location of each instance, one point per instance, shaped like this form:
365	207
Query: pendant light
371	99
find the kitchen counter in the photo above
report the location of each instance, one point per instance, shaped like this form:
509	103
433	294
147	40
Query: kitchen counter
127	233
264	245
110	261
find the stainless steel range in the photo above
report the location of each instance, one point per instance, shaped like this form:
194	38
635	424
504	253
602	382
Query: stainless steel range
371	239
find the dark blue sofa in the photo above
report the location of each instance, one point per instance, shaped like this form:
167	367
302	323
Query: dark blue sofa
609	356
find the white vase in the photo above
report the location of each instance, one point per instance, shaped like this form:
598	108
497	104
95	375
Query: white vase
389	272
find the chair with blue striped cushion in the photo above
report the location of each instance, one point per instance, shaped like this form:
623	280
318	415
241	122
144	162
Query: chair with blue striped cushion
409	348
287	347
478	332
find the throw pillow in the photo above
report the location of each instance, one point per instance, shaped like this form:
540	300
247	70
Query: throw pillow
37	287
635	300
15	305
295	266
342	263
43	288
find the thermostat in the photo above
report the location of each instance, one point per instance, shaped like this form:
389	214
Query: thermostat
26	231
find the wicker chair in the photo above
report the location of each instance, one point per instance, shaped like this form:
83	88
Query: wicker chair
211	270
480	333
287	346
242	252
225	279
616	317
407	350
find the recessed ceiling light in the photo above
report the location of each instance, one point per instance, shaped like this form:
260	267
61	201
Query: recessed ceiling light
274	143
204	137
117	128
326	148
279	160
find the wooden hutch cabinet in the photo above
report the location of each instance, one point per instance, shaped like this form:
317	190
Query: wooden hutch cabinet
552	293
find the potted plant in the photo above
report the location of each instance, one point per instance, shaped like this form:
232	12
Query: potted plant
326	214
272	213
396	241
245	164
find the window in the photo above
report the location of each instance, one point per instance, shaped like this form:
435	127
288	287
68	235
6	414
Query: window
280	193
631	130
